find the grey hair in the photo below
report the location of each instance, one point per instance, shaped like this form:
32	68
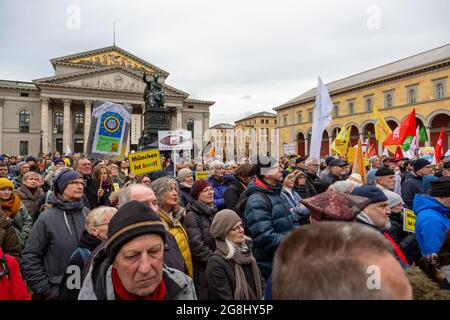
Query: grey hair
344	186
216	164
310	161
161	187
125	193
95	216
232	247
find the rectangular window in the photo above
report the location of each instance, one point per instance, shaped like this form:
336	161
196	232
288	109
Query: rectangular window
24	94
336	111
388	99
369	104
267	121
411	93
285	120
262	121
439	89
351	107
310	115
24	148
299	117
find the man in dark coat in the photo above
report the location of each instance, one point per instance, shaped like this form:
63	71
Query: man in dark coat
414	183
83	166
236	184
338	171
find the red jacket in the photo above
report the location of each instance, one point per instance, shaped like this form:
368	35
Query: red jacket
12	286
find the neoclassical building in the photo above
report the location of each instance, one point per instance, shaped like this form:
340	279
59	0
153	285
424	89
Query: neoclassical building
420	82
57	109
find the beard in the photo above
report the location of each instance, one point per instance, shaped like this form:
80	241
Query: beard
388	225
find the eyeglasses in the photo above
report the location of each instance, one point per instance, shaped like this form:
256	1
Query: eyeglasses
240	226
78	183
6	190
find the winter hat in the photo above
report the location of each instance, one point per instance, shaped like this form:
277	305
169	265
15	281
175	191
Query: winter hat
427	181
300	159
63	178
447	165
393	199
31	158
328	160
374	194
133	219
19	165
356	178
57	160
223	222
420	163
441	187
5	183
263	165
155	175
183	173
382	172
340	206
198	187
344	186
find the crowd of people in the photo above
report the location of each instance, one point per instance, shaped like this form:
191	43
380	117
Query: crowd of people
289	228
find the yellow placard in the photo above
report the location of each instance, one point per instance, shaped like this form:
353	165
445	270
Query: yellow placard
116	186
409	221
201	175
351	154
145	161
366	162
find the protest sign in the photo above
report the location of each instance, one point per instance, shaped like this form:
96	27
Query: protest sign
175	140
409	221
427	153
145	161
201	175
288	149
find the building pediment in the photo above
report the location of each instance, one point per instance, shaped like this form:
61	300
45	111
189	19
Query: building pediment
109	56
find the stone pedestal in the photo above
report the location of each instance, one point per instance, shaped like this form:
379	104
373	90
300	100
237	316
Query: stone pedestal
155	119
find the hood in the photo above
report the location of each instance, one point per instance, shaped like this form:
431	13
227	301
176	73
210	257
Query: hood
423	202
88	241
230	179
258	185
410	175
200	208
66	206
214	182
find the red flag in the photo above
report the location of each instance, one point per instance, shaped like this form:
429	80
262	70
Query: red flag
398	153
371	151
438	147
404	129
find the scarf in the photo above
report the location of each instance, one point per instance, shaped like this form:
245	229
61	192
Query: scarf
120	291
106	184
242	256
11	207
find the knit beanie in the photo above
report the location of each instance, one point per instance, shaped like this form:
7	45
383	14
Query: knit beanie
63	178
5	183
31	158
263	165
374	194
393	199
198	187
441	187
420	163
223	222
57	160
133	219
19	165
382	172
183	173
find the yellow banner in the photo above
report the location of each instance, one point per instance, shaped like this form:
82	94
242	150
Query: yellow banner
382	129
145	161
201	175
340	144
351	154
409	221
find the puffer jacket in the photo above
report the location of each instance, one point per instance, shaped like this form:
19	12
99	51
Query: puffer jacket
30	199
98	284
413	185
53	238
235	187
173	224
219	191
432	223
8	238
405	240
197	224
267	228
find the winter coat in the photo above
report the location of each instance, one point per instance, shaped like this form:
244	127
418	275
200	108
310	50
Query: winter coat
197	224
331	178
30	199
235	187
432	223
174	226
53	238
22	223
309	189
413	185
172	254
90	191
77	260
8	238
185	193
423	287
18	181
405	240
98	283
292	202
222	280
267	227
219	191
103	200
12	286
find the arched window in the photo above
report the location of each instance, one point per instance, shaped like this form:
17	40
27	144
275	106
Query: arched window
412	96
439	90
351	108
369	105
336	110
24	121
388	101
59	122
78	123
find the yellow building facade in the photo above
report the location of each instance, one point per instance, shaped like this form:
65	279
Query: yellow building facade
419	82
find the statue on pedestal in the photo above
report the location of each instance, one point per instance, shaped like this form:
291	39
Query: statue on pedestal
153	93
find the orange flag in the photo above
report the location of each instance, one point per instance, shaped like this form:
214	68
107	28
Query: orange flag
358	162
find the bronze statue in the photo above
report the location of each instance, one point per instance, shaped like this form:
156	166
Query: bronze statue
153	93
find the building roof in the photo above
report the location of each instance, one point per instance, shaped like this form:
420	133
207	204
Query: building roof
190	100
222	126
259	114
17	84
423	59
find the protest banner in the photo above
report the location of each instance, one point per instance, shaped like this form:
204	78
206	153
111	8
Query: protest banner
145	161
110	126
351	154
201	175
175	140
288	149
427	153
409	221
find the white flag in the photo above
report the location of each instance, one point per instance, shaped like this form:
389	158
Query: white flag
68	151
321	120
385	152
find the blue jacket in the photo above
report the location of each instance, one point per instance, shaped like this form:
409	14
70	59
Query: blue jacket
432	223
267	228
293	203
219	192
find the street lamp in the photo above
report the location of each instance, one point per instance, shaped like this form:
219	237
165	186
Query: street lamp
40	147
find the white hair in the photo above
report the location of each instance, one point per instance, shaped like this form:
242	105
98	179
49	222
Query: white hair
232	247
216	164
95	217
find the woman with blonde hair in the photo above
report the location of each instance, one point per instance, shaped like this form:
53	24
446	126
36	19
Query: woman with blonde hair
103	176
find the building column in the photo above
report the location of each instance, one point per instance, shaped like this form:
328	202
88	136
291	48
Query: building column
1	123
179	118
330	141
428	129
361	137
87	122
44	124
67	130
306	147
50	128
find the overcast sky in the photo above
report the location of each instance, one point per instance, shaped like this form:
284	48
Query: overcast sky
247	55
